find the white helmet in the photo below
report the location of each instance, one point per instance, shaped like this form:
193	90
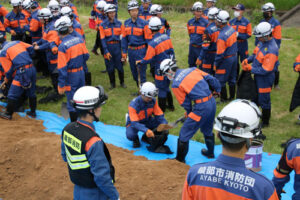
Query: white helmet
101	5
45	13
212	13
166	65
66	11
16	2
268	7
63	3
155	24
148	89
133	4
197	6
223	17
262	29
54	7
27	4
240	118
109	8
63	24
214	1
156	9
89	97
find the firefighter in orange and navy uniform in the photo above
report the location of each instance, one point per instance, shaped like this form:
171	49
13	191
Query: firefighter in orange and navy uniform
264	64
207	55
191	88
71	65
243	26
226	56
196	27
227	177
111	30
160	48
15	58
3	13
268	10
15	21
144	10
288	162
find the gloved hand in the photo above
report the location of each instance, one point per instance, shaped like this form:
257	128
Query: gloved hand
107	56
54	50
247	67
124	58
186	115
245	62
61	91
297	68
137	62
198	62
149	133
13	33
216	94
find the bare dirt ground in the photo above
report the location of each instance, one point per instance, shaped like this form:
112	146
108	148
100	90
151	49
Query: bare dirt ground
31	167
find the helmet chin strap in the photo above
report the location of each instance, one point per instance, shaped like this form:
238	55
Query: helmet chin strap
96	119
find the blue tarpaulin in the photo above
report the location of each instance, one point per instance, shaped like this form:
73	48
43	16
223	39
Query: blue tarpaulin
116	135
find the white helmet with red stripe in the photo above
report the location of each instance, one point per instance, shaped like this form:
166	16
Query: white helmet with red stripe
156	9
133	4
110	8
197	6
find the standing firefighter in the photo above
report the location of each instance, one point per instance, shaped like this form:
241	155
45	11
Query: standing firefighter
243	26
225	60
209	4
144	10
159	48
264	64
145	115
193	85
295	102
196	27
268	10
237	124
71	65
15	58
110	32
288	162
134	40
89	162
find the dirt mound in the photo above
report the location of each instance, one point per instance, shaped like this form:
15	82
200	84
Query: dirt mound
31	167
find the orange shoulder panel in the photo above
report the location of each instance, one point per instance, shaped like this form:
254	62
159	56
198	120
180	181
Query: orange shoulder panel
90	143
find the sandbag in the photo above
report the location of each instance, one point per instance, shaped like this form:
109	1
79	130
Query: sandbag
295	102
246	87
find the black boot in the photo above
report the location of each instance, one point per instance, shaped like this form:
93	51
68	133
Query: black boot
121	78
32	105
210	144
170	102
136	143
73	116
112	80
9	109
88	78
232	92
162	103
182	150
276	81
266	115
54	80
224	94
145	139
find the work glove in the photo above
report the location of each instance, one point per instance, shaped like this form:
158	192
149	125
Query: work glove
149	133
13	33
124	58
198	62
107	56
245	62
297	68
54	50
61	91
247	67
216	94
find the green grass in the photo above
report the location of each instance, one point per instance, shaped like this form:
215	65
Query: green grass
282	122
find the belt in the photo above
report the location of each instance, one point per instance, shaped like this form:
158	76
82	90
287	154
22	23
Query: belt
113	42
205	99
195	45
137	47
241	40
229	56
211	51
75	70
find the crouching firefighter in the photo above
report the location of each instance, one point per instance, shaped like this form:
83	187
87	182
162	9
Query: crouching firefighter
193	85
140	118
15	57
89	162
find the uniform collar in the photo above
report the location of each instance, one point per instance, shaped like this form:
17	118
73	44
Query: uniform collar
87	124
231	160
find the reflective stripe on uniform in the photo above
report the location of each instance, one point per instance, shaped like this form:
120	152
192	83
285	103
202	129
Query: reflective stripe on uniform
78	165
75	158
72	142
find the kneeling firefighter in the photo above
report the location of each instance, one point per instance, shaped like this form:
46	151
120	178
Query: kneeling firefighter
145	115
89	162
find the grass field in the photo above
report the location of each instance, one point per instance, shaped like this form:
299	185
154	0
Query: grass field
282	122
